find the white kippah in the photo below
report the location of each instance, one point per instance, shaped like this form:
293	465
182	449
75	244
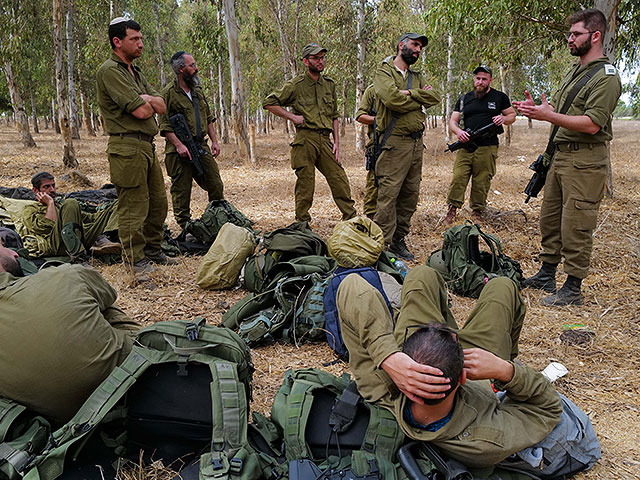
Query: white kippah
118	20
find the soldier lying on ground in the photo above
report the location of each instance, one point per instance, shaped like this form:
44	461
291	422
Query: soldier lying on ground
61	335
417	369
58	227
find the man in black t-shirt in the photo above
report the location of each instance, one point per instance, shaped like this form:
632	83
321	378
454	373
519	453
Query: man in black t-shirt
479	107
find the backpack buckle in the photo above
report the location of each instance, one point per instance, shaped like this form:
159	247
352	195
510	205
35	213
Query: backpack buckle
191	331
235	465
217	464
182	366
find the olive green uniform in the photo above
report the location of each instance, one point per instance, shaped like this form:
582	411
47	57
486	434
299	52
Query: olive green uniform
134	168
312	148
368	107
181	170
399	167
482	431
61	335
577	176
43	236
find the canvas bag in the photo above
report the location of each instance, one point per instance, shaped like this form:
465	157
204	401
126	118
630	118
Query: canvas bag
216	214
355	243
220	267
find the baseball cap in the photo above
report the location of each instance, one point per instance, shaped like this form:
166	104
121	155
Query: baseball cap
414	36
483	68
312	49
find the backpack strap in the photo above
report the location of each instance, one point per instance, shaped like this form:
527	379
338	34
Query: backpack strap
384	435
9	412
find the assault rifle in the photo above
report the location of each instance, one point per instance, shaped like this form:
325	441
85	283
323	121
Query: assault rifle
181	129
474	136
538	178
372	153
306	469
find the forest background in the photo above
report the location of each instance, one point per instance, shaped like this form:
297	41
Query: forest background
51	49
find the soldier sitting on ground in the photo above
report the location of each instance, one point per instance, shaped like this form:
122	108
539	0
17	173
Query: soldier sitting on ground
58	227
417	369
61	335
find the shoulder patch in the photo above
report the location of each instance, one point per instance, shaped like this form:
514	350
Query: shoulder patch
609	69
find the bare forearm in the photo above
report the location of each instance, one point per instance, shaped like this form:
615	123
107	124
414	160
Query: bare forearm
366	119
173	138
577	123
280	111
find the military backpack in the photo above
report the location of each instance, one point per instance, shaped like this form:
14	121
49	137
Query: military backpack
216	214
465	268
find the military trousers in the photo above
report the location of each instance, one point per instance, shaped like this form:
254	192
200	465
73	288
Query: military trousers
572	195
142	199
480	166
370	194
183	173
313	149
371	334
399	172
88	226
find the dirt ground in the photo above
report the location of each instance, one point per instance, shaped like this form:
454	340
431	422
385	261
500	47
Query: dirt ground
602	375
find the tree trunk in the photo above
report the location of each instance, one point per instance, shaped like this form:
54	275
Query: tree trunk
222	88
54	117
156	12
450	82
34	112
86	112
609	8
68	154
73	105
505	88
361	139
22	120
237	94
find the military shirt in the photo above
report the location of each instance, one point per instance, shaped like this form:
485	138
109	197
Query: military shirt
368	107
597	100
315	100
387	83
119	95
34	221
177	101
60	337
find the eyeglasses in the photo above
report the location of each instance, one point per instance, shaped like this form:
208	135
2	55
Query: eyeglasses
575	35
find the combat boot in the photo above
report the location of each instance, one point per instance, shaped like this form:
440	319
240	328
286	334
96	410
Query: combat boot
399	248
451	215
159	258
569	294
545	279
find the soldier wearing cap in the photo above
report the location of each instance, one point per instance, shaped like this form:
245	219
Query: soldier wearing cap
479	108
577	175
314	111
128	105
402	93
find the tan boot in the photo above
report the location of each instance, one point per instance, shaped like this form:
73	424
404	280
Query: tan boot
451	215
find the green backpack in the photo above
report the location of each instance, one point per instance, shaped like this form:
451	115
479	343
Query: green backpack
352	435
465	268
31	451
217	213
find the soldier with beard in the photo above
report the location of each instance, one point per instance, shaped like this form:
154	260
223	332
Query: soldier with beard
314	112
578	172
185	96
402	93
478	108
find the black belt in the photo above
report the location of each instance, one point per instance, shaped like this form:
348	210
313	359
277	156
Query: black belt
573	146
324	132
140	136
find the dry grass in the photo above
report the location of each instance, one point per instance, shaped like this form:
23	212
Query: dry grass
602	375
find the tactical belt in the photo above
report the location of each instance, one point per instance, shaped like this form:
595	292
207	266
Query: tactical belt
414	135
321	131
138	135
573	146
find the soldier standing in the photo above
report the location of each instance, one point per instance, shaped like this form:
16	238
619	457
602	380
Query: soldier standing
185	96
312	97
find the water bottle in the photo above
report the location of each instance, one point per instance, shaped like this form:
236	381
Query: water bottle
400	266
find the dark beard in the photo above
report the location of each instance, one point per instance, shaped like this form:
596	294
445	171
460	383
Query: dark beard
191	80
581	50
408	56
479	93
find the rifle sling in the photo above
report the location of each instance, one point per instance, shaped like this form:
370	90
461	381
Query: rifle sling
394	118
196	108
569	100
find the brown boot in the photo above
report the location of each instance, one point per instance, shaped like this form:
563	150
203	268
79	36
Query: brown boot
476	216
451	215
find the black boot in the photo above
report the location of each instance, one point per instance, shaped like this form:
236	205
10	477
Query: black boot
545	279
399	248
569	294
